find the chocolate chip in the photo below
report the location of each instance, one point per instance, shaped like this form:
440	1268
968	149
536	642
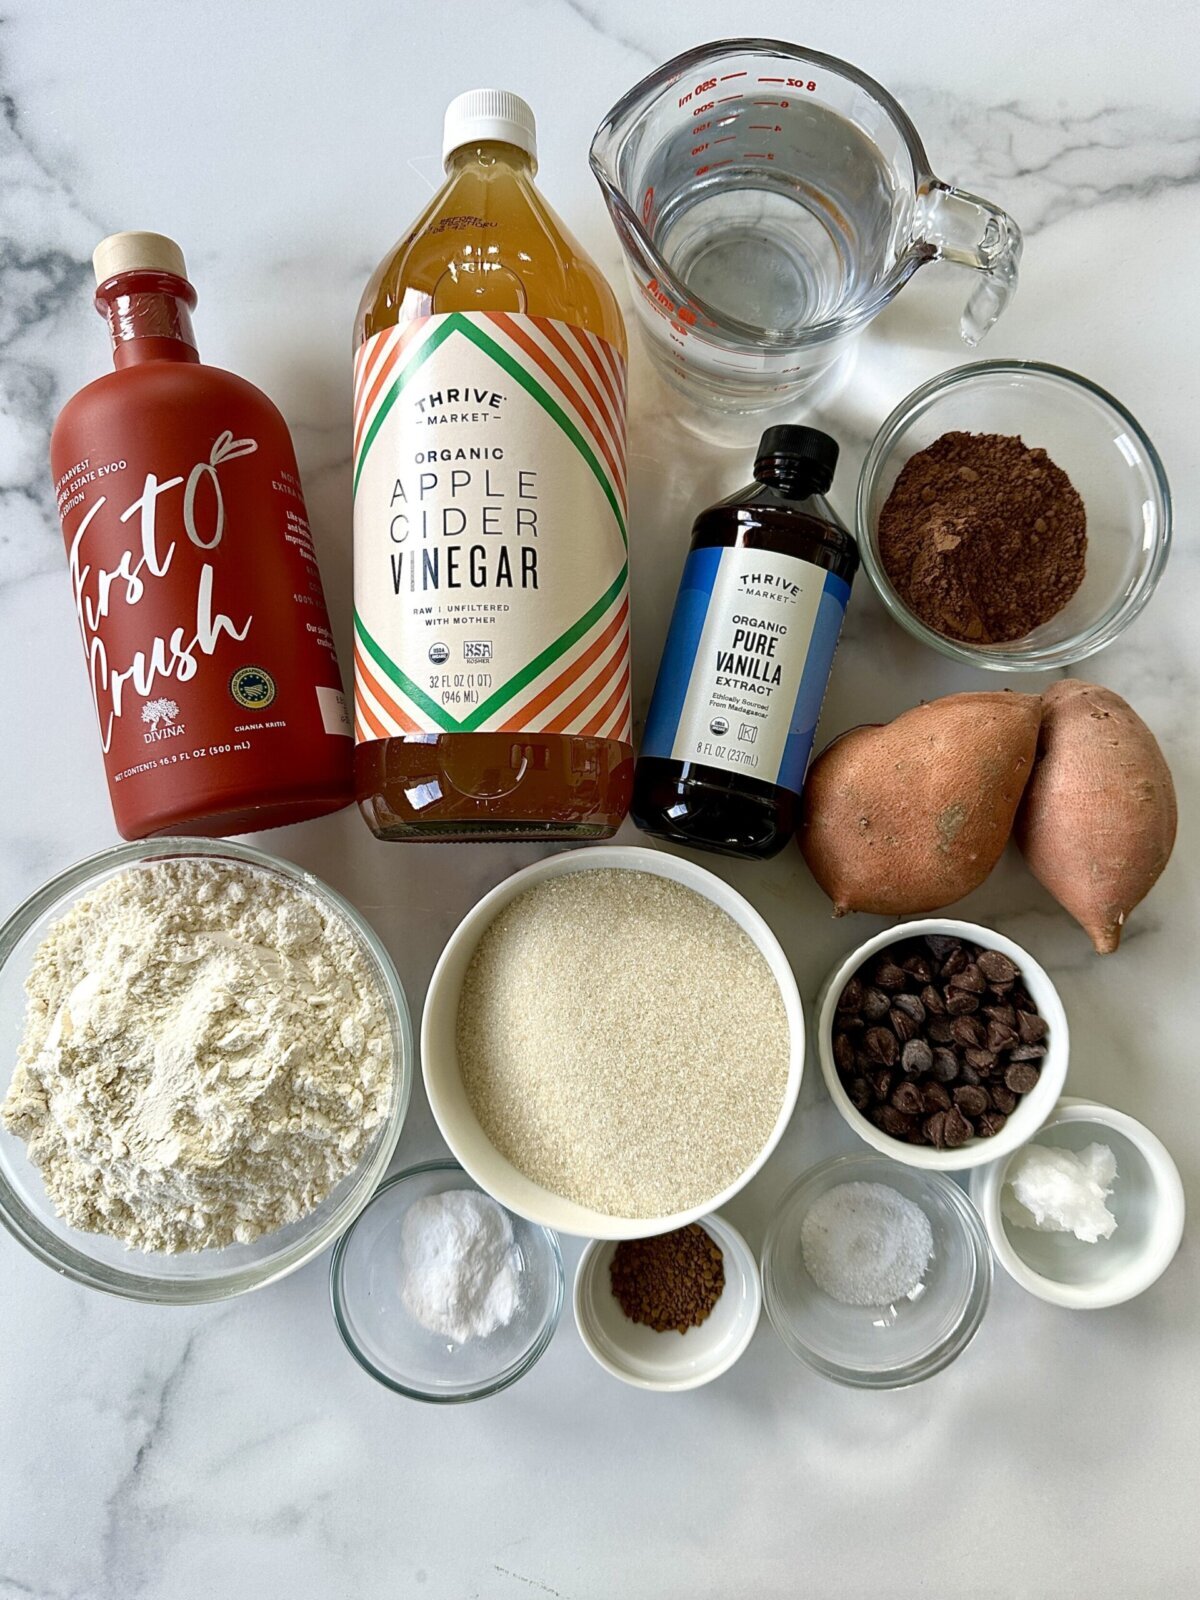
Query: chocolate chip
907	1097
983	1061
851	997
1031	1027
940	1030
881	1082
1004	1014
911	1005
860	1094
967	1073
875	1005
954	963
916	1057
956	1130
967	1031
1020	1077
940	945
918	967
893	1122
932	1000
960	1001
843	1053
903	1025
970	1101
936	1096
969	978
1027	1052
1002	1098
935	1129
1000	1036
889	976
880	1045
990	1124
995	966
945	1066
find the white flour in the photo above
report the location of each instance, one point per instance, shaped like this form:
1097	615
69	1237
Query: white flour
205	1056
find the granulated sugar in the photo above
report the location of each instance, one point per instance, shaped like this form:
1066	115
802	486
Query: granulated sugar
866	1244
623	1042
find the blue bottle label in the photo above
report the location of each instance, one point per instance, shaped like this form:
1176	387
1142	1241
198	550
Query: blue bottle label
745	664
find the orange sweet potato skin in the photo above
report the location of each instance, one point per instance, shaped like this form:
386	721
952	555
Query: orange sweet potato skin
912	815
1097	821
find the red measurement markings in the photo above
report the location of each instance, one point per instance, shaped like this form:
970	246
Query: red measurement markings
764	127
700	171
782	103
771	80
725	138
723	98
725	76
760	155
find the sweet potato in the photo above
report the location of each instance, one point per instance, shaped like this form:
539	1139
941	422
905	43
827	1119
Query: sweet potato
1097	821
914	814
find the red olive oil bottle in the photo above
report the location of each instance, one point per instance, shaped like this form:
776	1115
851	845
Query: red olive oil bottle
747	658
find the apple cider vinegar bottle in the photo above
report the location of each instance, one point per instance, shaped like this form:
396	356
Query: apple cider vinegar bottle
491	613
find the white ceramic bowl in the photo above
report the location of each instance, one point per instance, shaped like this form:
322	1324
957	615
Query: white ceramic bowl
669	1361
1147	1201
443	1082
1033	1108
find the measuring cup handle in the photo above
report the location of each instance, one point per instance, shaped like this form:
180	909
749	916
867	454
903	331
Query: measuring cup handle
956	226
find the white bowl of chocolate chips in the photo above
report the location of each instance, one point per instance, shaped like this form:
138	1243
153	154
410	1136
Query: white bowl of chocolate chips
943	1044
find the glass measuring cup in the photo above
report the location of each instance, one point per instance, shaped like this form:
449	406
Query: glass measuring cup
772	200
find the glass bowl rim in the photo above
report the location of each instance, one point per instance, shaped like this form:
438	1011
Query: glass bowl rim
488	1387
74	1263
959	1337
1098	636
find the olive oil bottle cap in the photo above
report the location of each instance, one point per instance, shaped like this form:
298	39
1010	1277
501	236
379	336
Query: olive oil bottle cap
485	114
137	252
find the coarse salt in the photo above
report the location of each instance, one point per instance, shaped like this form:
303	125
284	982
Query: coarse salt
866	1244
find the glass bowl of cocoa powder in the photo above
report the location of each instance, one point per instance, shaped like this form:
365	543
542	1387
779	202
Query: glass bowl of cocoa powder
1013	515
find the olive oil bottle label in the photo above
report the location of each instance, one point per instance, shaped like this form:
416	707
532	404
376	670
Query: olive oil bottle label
490	548
745	664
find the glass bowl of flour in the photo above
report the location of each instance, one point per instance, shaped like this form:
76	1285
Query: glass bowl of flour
207	1061
440	1293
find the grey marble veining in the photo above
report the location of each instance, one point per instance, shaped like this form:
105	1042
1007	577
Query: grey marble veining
153	1454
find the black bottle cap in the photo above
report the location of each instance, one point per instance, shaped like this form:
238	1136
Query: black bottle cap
789	451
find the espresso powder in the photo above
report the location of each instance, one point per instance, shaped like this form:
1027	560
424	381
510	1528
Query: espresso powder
983	539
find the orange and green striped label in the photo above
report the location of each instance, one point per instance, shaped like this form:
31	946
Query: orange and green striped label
491	580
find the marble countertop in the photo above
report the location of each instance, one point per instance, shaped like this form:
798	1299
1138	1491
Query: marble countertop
237	1450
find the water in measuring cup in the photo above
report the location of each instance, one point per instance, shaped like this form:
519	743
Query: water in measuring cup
780	213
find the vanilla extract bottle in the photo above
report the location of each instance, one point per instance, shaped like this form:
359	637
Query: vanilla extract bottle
748	656
491	612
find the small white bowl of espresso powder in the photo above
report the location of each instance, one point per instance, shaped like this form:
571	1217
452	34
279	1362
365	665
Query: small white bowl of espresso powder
613	1042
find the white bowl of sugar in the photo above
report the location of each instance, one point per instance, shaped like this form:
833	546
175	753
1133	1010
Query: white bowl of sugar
613	1056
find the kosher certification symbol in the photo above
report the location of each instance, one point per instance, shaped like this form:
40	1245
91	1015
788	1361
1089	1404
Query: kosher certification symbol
252	687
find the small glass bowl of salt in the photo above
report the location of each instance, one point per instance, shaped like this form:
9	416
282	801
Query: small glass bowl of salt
440	1293
875	1274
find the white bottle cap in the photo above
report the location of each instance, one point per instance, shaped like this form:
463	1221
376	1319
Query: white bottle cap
483	114
137	252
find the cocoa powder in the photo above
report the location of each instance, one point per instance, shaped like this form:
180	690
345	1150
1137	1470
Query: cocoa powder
983	538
